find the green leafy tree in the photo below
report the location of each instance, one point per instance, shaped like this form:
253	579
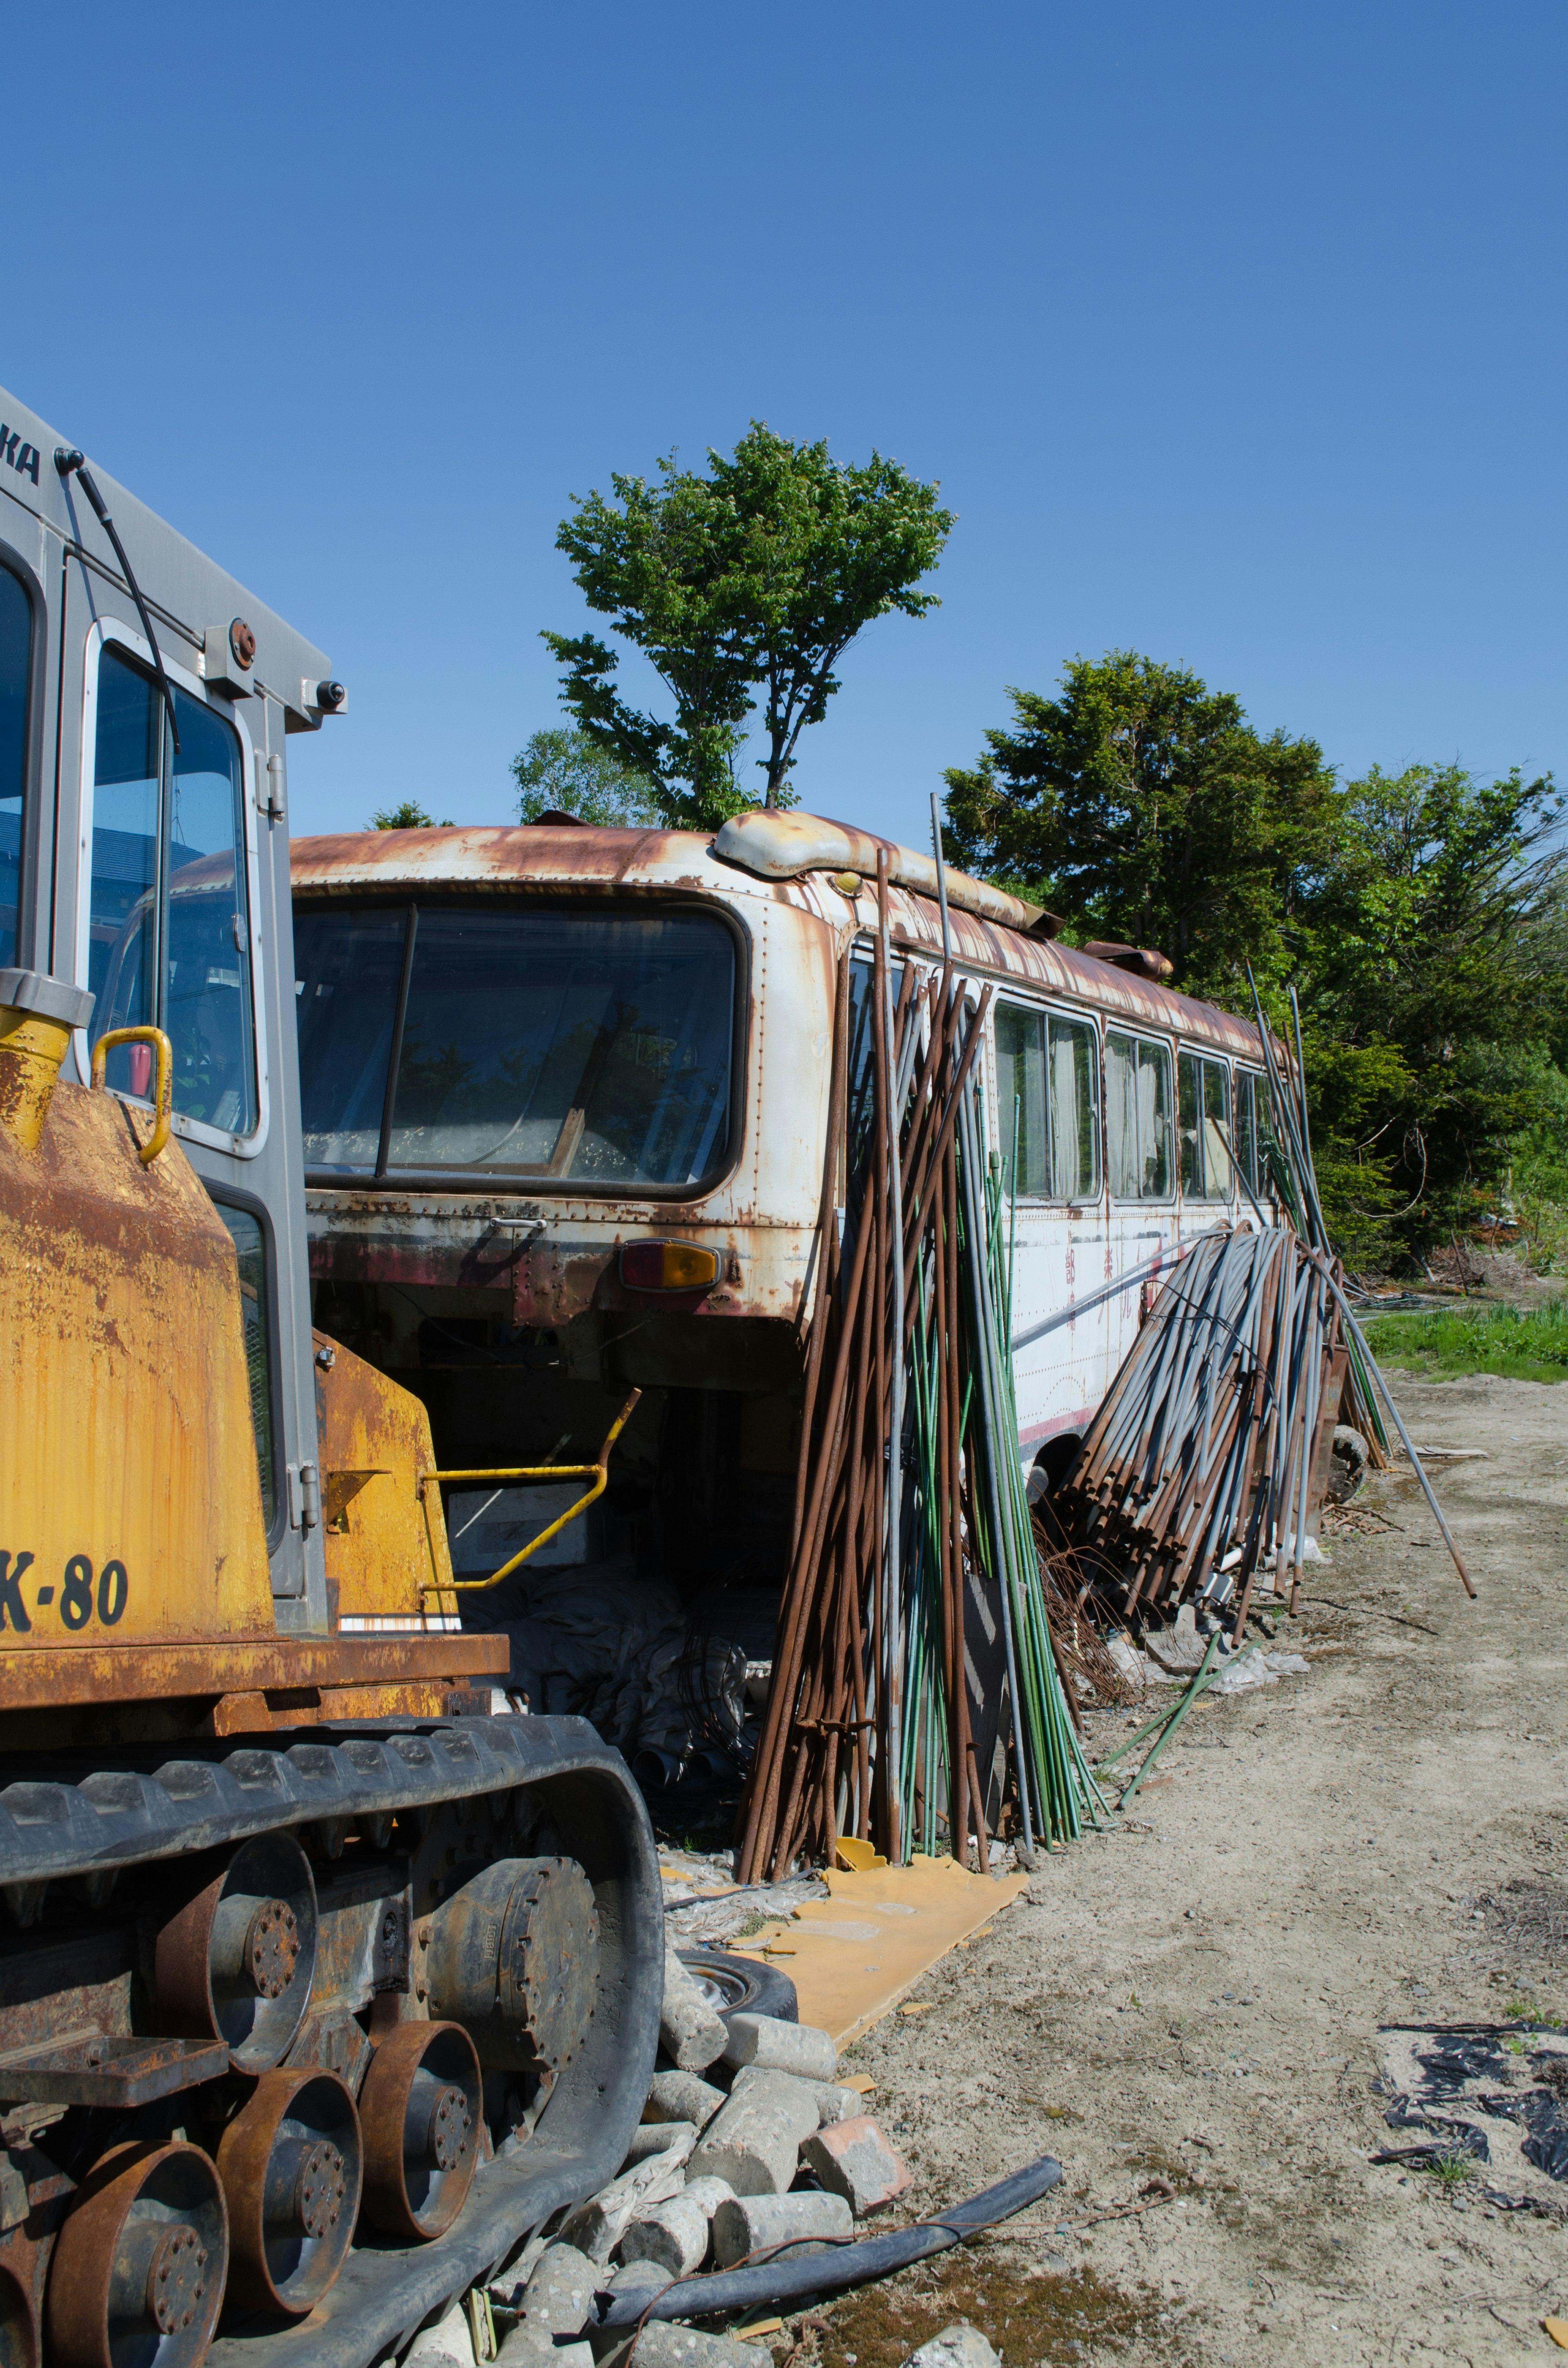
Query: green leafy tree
407	816
1144	807
1431	964
567	772
752	578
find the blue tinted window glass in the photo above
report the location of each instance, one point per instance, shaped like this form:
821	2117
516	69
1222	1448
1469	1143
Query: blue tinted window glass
208	1005
15	668
185	966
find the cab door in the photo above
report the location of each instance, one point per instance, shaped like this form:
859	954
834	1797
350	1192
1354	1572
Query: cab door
174	909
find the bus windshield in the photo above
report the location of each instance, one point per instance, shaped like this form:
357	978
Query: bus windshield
567	1047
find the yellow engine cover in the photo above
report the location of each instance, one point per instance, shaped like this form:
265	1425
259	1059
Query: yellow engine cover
129	1505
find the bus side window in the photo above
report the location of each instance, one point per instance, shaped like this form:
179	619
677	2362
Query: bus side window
1138	1118
1204	1088
1189	1097
1075	1110
1047	1093
1247	1128
1020	1095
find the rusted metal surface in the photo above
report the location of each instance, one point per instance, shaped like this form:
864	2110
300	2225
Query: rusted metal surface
130	1508
385	1536
116	2280
236	1960
57	1676
119	2073
420	2113
76	1983
292	2164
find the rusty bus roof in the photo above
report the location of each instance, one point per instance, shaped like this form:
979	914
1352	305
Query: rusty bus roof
540	855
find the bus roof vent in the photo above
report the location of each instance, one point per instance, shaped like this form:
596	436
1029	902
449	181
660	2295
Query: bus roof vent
1143	961
777	845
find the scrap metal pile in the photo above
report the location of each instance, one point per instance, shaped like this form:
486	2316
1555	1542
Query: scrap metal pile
910	1503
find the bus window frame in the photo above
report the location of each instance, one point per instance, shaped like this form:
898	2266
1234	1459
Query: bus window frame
1168	1046
1078	1018
1200	1197
16	565
104	633
512	1183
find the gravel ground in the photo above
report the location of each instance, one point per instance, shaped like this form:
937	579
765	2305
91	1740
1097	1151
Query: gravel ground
1196	1999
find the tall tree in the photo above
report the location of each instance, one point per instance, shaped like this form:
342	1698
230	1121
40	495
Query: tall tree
754	577
1142	806
567	772
1433	985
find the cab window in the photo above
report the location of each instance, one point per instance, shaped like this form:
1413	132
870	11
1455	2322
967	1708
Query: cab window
1048	1100
250	1249
15	673
1138	1118
1204	1088
168	924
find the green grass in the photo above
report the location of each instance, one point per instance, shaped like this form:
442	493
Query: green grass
1525	1344
1451	2170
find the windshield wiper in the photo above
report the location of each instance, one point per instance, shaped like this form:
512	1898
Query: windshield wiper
70	462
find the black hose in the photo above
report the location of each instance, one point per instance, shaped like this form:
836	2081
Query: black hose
786	2276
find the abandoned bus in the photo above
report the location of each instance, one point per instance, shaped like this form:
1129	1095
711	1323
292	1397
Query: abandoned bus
565	1092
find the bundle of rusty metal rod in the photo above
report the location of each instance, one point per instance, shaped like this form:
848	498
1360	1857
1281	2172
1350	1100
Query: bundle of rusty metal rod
908	1498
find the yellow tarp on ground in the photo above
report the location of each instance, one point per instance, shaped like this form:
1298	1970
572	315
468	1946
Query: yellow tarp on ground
853	1956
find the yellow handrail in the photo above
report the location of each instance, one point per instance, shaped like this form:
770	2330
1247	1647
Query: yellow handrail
598	1471
162	1089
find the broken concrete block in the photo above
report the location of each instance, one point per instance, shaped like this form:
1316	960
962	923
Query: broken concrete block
775	2046
751	2223
450	2340
837	2104
596	2227
673	2140
956	2347
854	2159
530	2347
673	2234
662	2344
682	2097
833	2103
559	2296
755	2142
690	2033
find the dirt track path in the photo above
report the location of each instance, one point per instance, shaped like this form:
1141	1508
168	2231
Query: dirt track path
1198	1998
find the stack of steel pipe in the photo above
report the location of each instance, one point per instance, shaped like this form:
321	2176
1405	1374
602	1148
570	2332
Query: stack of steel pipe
1200	1464
1208	1453
908	1496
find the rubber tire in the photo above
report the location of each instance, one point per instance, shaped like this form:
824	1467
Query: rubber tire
751	1988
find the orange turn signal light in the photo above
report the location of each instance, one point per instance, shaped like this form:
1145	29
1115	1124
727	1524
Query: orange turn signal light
668	1265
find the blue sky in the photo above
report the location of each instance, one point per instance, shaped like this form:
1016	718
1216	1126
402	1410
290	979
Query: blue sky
1233	333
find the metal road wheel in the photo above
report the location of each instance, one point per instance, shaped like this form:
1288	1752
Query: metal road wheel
236	1962
514	1956
735	1986
419	2109
290	2164
139	2266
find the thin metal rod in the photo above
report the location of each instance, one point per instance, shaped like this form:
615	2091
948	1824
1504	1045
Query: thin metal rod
394	1055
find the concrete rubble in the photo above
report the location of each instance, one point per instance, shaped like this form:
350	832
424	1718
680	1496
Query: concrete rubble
756	2146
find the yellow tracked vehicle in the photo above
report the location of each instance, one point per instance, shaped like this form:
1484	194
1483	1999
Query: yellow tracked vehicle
326	1972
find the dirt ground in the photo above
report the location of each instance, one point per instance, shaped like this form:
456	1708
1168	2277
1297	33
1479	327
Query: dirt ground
1197	1999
